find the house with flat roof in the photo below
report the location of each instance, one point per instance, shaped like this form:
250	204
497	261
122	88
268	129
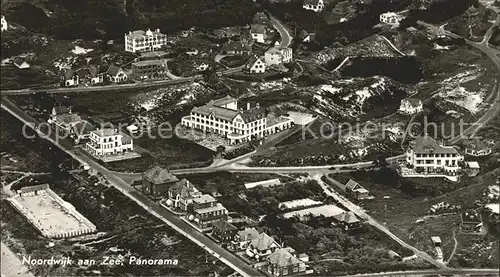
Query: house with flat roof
149	70
108	142
207	211
425	157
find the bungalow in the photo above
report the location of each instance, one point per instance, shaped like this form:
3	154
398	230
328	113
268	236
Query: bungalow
243	238
156	181
478	147
284	262
313	5
255	65
69	77
355	190
116	74
261	247
347	221
21	63
259	33
410	106
223	231
182	193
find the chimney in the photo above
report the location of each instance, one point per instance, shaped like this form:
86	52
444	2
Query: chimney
248	105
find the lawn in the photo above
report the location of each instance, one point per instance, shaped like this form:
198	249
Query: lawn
170	153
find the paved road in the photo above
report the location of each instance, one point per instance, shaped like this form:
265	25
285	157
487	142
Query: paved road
154	208
462	272
286	38
363	215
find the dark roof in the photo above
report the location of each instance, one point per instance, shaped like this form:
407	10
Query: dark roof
60	110
83	73
478	144
68	73
262	242
224	226
248	234
428	145
258	29
182	187
83	127
351	184
347	217
252	60
67	118
252	114
218	112
158	175
311	2
283	258
113	70
18	61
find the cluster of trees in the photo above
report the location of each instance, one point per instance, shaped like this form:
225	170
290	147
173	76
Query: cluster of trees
112	18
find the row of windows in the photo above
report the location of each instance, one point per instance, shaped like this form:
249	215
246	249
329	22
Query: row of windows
212	213
438	162
436	155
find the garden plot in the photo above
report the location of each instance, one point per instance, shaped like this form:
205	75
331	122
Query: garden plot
460	96
326	210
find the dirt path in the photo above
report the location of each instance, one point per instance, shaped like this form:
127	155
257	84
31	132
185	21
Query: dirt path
454	246
11	265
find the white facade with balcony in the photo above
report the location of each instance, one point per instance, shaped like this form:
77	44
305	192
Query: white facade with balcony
108	142
223	117
278	55
427	158
139	40
5	26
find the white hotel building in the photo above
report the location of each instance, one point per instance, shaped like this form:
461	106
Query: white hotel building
108	142
427	158
139	41
222	116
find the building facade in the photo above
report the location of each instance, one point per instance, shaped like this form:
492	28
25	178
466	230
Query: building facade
278	55
256	65
107	142
156	181
261	247
208	211
427	158
139	40
149	70
389	18
478	147
258	33
182	194
284	262
5	26
313	5
223	231
243	238
115	74
410	106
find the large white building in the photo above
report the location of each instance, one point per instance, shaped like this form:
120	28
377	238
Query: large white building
390	18
425	157
5	26
224	117
107	142
313	5
410	106
278	55
139	40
